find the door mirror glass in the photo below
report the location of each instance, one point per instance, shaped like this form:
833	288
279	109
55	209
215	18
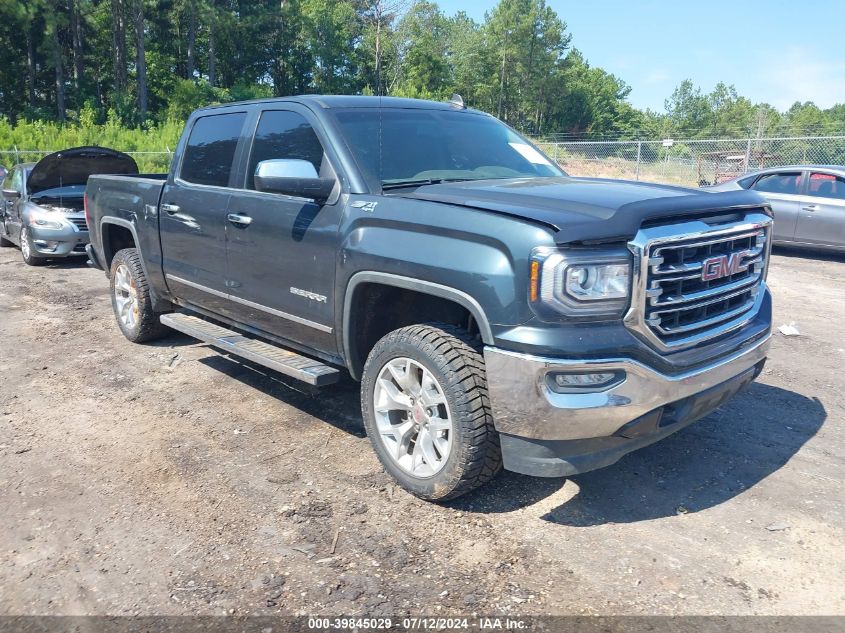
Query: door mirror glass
11	194
292	177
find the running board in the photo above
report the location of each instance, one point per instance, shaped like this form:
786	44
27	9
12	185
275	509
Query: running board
281	360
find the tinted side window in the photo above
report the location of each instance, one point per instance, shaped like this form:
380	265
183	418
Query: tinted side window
211	149
284	134
745	183
779	183
826	186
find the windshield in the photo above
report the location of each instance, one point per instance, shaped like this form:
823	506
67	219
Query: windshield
437	145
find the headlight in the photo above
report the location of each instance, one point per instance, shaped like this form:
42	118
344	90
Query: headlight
44	221
580	282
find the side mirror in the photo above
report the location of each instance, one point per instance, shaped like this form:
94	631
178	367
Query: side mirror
292	177
3	173
11	194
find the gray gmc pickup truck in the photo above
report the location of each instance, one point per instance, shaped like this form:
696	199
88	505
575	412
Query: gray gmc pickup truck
497	312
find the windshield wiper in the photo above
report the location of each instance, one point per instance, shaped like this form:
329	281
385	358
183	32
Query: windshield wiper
400	184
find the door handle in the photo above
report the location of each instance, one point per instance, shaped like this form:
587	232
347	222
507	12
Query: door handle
240	219
811	207
170	209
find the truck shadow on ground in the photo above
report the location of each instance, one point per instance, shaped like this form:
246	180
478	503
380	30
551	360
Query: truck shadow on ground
338	405
704	465
701	466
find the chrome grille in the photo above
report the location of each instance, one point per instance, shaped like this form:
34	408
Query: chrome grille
698	281
79	223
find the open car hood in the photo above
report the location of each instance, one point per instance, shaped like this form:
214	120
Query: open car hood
586	209
73	166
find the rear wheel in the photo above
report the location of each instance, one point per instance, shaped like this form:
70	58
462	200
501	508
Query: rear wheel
427	413
130	298
29	257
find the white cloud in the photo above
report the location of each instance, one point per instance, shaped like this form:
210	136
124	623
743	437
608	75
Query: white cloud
657	76
795	74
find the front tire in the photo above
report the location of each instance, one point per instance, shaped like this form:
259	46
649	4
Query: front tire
427	413
131	300
28	256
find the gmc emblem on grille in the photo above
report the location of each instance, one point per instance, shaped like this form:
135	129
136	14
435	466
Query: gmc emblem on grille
724	265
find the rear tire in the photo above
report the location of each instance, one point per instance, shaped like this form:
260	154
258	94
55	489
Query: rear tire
427	412
131	300
26	250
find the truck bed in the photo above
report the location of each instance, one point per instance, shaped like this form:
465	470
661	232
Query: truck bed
130	202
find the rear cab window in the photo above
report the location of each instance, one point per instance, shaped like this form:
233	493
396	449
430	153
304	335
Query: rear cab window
210	152
826	186
784	183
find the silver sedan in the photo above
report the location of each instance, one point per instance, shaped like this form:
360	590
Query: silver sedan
42	209
808	202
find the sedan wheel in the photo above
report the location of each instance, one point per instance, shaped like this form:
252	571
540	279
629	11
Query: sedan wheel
26	250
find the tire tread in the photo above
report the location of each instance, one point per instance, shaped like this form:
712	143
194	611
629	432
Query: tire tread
464	368
150	327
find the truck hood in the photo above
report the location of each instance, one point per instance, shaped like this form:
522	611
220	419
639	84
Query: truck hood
73	166
585	209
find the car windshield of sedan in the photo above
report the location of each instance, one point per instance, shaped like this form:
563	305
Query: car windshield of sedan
421	146
71	191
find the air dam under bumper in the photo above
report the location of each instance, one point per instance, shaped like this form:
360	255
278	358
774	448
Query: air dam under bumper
549	434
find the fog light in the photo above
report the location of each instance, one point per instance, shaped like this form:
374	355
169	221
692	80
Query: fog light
45	245
563	382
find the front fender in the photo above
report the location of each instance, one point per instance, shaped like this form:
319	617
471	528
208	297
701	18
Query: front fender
477	259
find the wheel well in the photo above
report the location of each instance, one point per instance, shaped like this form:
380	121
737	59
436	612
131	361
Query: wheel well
115	238
377	309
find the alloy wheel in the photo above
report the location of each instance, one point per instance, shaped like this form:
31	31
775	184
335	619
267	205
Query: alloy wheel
412	416
25	248
126	297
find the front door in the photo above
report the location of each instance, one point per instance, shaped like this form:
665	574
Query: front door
282	250
192	214
822	217
782	190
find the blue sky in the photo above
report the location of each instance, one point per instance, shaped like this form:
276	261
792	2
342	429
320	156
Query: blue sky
774	51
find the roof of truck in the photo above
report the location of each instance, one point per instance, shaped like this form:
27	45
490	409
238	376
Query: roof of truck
350	101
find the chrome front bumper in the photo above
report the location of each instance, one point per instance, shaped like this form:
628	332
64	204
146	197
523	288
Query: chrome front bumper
525	406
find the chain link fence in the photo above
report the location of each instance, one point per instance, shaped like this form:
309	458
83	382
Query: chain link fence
691	162
148	162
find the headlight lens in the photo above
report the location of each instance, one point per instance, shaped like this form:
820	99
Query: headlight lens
596	282
44	221
580	282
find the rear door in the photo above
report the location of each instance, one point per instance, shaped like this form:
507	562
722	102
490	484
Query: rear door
192	214
782	189
282	263
822	217
13	207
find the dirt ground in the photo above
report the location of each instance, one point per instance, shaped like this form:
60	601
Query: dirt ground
168	479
